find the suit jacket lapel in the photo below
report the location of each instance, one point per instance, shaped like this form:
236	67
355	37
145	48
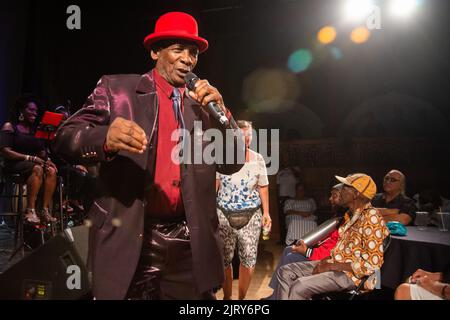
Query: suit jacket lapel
147	97
145	112
191	112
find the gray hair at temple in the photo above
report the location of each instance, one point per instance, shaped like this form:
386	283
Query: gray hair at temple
402	180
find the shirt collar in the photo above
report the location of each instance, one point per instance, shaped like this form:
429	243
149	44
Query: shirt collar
165	87
355	217
399	196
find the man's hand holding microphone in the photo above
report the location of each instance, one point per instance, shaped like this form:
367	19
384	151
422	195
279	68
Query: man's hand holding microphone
129	136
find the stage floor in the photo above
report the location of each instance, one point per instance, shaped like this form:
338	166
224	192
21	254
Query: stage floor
269	253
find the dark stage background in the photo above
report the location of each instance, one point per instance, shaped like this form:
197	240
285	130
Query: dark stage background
396	85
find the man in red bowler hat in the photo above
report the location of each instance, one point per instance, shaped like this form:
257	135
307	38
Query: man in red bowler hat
154	227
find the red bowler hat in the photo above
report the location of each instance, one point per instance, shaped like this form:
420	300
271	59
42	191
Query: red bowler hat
176	25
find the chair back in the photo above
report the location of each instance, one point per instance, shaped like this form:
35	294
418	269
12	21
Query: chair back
386	243
10	193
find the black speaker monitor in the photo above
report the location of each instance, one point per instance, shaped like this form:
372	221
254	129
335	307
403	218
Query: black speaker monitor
56	270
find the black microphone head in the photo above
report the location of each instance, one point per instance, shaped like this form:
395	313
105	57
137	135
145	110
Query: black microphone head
191	79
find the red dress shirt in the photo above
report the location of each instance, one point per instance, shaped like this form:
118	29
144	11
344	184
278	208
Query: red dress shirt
165	199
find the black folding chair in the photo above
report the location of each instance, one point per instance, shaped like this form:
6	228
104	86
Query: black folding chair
359	291
9	208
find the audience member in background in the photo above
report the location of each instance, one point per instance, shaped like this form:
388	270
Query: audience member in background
358	252
424	285
299	212
430	200
446	207
393	204
26	155
243	195
299	253
287	179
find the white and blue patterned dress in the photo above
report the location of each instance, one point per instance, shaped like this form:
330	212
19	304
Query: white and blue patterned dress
240	192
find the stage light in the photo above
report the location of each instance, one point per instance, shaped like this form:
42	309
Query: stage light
360	35
300	60
403	8
326	35
358	9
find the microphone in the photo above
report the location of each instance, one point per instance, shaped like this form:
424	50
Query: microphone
321	232
213	108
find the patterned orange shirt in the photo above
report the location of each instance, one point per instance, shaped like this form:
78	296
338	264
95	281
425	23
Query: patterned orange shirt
360	243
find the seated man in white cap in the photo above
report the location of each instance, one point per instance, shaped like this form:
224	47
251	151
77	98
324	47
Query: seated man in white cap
358	252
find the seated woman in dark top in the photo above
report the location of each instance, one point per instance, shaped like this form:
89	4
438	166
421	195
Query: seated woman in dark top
24	154
394	205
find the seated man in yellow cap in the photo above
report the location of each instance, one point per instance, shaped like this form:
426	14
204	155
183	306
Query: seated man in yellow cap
358	252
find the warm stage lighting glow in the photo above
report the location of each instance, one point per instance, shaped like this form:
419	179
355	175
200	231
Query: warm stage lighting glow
326	35
358	9
403	8
360	35
261	97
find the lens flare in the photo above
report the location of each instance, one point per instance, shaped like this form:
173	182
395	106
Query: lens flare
360	35
358	9
300	60
336	53
326	35
265	88
403	8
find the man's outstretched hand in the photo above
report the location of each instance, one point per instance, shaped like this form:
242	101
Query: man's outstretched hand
125	135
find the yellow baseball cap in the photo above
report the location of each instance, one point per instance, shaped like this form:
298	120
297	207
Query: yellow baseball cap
361	182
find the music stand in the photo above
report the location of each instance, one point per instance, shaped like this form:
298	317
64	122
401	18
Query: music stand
46	131
48	126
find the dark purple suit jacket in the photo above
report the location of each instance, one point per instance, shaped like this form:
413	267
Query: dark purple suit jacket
118	212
